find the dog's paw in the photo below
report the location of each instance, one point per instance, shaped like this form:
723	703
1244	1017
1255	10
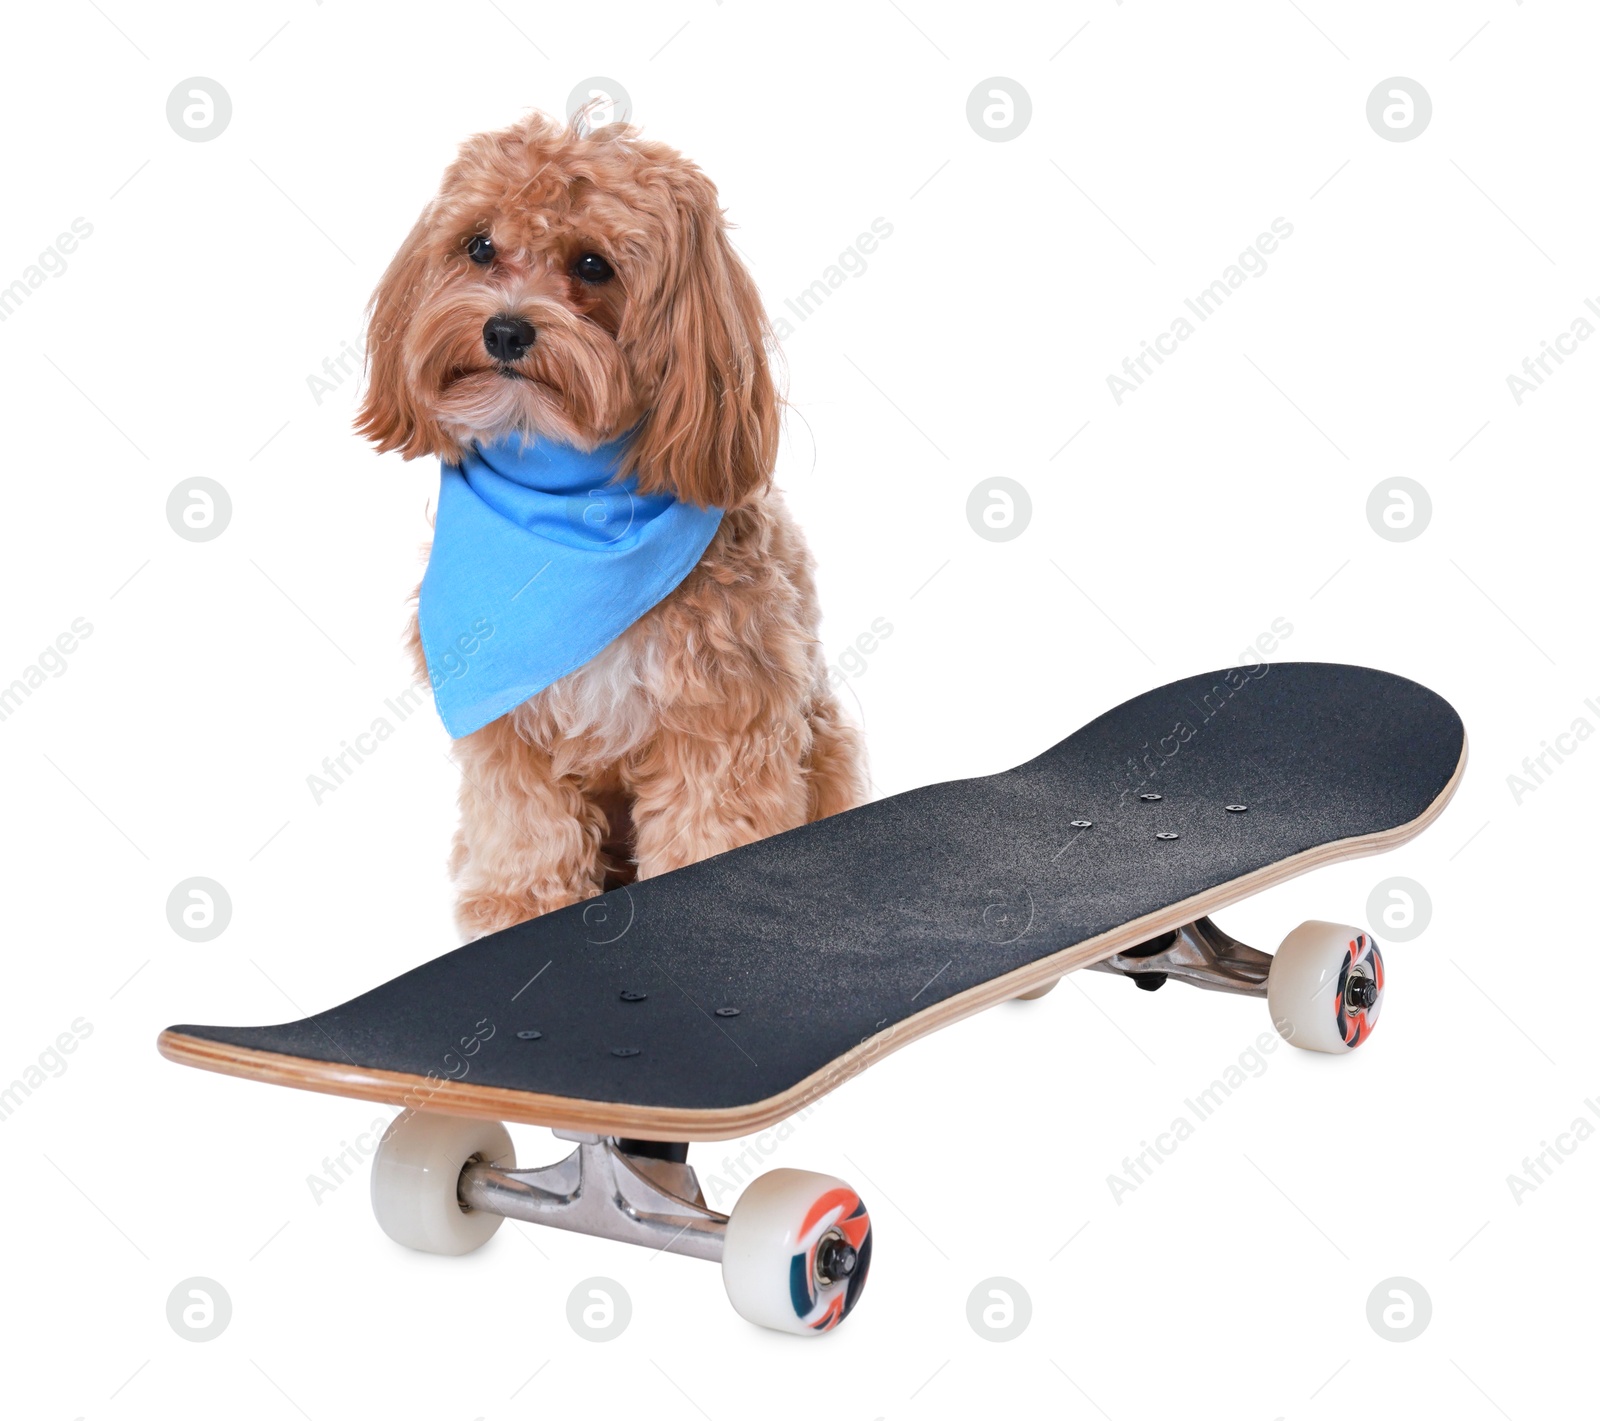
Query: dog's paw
479	914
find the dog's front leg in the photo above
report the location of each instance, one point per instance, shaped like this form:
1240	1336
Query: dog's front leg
702	793
529	839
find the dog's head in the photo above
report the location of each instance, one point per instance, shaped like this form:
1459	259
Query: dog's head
572	286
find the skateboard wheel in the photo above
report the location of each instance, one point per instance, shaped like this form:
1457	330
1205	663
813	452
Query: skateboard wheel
1325	987
796	1251
415	1174
1034	993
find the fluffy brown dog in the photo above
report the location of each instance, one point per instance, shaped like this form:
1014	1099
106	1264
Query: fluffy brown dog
708	723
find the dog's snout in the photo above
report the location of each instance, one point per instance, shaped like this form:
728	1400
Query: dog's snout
508	338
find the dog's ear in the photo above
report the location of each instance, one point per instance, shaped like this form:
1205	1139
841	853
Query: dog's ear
711	433
389	416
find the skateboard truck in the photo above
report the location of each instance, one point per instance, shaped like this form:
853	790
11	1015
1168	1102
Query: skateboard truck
609	1192
599	1189
1323	986
1199	953
794	1251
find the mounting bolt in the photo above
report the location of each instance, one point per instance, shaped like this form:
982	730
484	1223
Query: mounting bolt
1361	992
836	1259
632	996
1236	808
727	1011
624	1050
1167	835
1083	823
1149	798
529	1035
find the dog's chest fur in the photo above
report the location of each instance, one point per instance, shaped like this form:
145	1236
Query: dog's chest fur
597	715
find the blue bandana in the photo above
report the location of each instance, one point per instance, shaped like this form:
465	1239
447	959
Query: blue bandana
542	557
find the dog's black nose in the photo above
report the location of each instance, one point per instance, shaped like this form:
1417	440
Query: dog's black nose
508	338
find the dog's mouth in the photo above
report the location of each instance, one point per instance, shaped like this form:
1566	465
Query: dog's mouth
500	371
484	401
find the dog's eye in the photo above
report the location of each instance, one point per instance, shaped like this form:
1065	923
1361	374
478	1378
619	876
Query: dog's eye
592	268
480	249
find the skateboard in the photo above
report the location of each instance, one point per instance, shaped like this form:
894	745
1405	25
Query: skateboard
717	1000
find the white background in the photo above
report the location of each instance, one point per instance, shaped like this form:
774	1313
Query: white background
1172	530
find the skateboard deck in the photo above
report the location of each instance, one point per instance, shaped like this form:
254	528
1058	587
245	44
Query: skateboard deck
718	999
